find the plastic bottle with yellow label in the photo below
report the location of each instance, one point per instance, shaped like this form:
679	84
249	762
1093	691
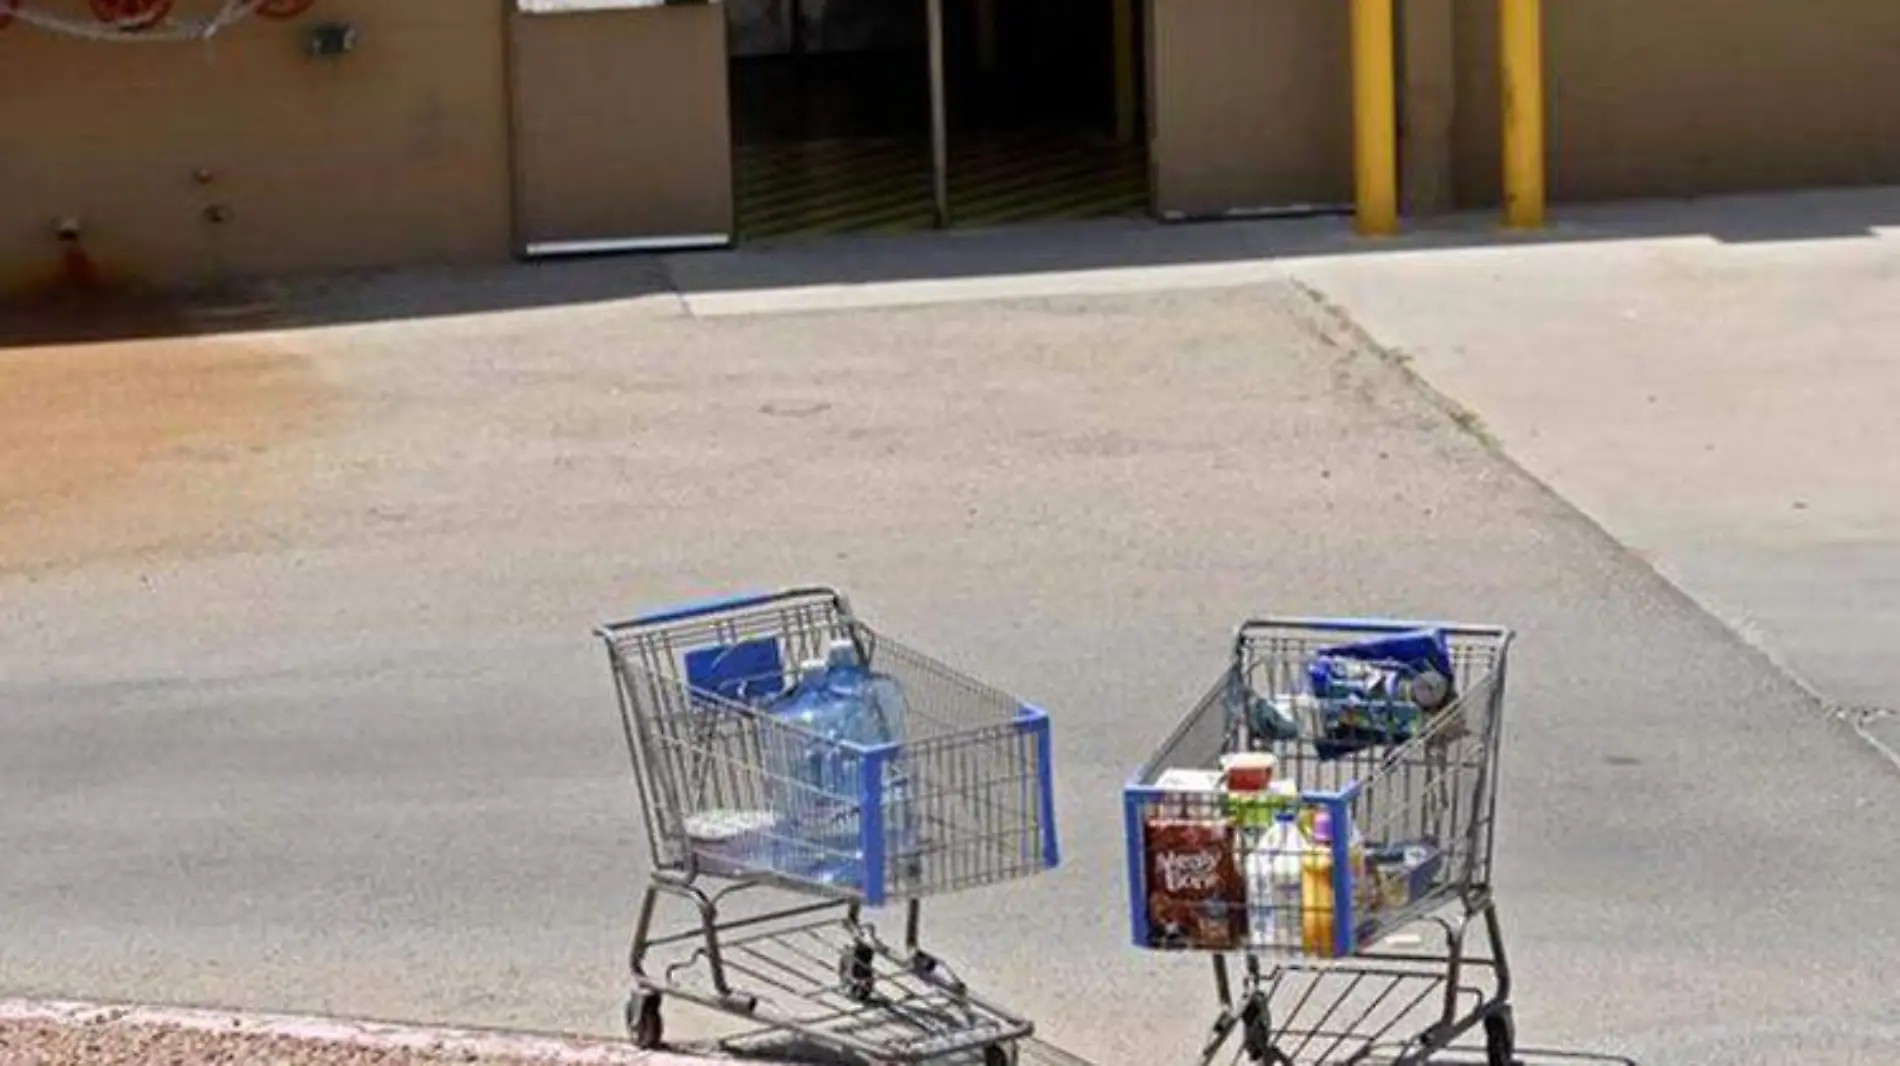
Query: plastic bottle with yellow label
1316	889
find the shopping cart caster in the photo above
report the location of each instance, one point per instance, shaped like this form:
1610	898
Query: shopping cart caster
1500	1038
643	1020
999	1055
857	969
1256	1035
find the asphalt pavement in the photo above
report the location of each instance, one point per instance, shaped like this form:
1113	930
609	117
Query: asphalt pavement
338	739
1714	383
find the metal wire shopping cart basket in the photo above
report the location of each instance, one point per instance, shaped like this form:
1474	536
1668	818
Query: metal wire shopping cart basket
740	791
1377	821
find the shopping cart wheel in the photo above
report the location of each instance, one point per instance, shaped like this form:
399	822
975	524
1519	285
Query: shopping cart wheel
643	1020
857	969
1256	1034
1500	1038
999	1055
1256	1039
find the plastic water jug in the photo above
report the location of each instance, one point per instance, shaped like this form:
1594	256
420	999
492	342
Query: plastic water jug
818	780
874	712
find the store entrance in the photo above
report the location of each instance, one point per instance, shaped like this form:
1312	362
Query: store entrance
1045	109
836	126
831	116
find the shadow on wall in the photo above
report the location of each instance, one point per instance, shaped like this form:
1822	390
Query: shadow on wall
63	314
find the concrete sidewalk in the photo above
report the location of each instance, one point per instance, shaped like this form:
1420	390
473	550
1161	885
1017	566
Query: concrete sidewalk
100	1034
1717	384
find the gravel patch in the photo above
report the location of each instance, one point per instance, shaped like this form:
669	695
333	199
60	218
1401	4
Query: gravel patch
58	1034
96	1044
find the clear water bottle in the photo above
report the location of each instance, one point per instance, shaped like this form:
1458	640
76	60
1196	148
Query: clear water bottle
877	703
874	713
819	780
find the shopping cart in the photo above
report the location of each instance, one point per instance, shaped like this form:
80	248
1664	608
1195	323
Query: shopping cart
1378	824
739	792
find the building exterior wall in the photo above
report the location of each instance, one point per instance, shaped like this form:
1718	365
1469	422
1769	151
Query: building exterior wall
396	153
622	126
1428	98
402	152
1250	104
1692	97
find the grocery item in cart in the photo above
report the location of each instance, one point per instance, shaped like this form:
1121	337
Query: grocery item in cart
819	781
1316	890
1273	882
845	707
1378	691
1248	771
873	711
1197	898
1189	793
1247	777
1280	718
877	705
734	841
1403	873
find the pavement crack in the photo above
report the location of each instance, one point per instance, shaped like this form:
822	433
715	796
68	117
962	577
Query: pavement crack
1864	719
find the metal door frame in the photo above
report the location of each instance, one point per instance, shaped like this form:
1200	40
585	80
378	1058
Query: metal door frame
939	116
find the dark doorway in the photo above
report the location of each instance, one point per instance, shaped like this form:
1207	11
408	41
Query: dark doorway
1045	103
831	115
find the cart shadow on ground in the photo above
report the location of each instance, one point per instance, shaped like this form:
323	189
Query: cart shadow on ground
781	1050
1533	1057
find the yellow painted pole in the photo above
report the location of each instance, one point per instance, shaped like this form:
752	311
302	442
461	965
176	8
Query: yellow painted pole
1375	118
1521	37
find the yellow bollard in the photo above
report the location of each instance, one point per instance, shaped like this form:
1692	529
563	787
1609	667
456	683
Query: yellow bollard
1521	56
1375	118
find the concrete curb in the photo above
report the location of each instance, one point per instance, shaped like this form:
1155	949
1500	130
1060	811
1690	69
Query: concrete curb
378	1036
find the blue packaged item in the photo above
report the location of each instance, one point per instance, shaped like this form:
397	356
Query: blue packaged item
1416	649
1376	692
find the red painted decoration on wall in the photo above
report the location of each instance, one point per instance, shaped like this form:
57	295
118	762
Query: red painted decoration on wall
284	9
131	15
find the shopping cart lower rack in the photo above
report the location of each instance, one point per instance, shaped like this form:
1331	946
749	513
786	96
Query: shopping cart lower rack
1333	793
795	768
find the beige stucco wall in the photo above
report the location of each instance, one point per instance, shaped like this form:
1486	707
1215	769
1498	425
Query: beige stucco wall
1687	97
400	152
622	125
397	153
1251	104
